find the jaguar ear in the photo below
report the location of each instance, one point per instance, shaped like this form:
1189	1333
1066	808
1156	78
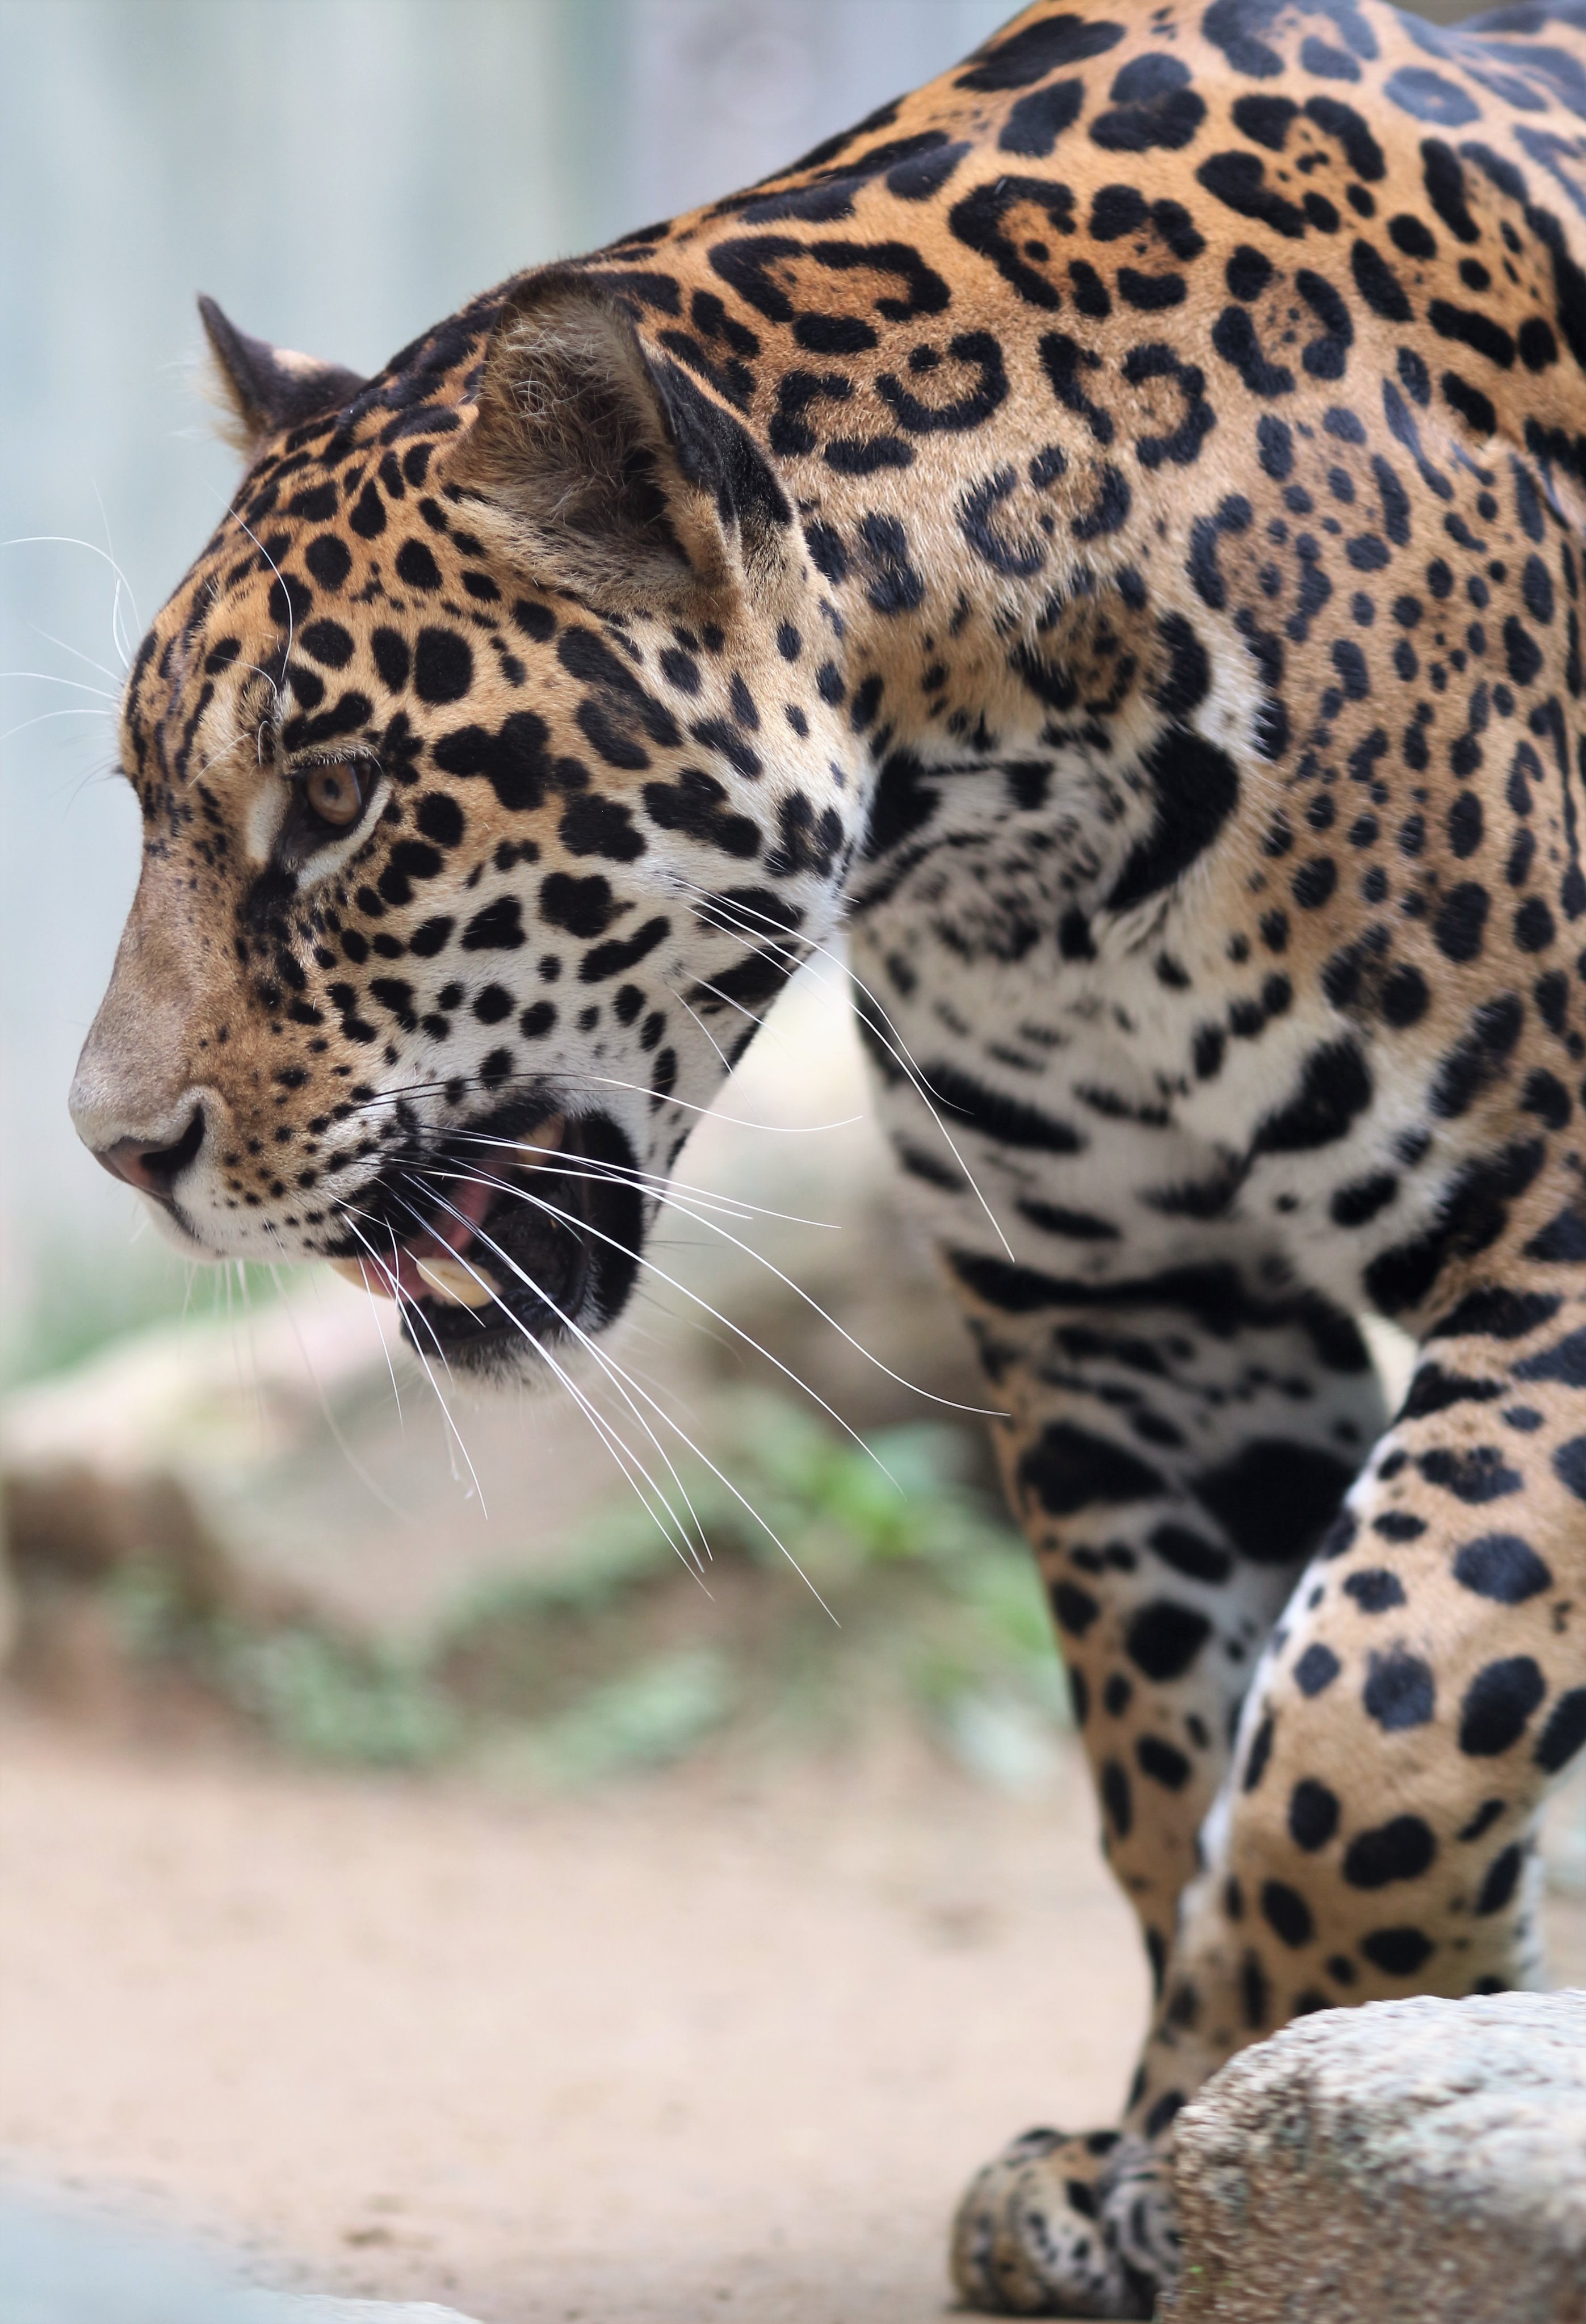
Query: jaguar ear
263	390
607	470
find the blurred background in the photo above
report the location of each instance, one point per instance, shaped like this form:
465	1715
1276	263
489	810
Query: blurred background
342	1726
338	174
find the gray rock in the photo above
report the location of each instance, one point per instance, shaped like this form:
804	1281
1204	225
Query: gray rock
1419	2162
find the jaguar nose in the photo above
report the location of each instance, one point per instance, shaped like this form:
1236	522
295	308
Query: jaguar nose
154	1170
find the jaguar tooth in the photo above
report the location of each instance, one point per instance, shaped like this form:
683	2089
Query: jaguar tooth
355	1271
455	1284
546	1138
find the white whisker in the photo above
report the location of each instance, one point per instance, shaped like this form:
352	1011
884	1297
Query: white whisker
122	582
454	1434
45	678
891	1038
77	655
78	710
69	540
584	1226
681	1434
628	1460
704	1028
568	1324
649	1181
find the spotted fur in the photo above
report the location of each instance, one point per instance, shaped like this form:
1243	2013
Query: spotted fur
1107	531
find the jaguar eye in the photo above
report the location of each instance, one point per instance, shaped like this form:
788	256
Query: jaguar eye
336	792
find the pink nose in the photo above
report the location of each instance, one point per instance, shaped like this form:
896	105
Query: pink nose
153	1169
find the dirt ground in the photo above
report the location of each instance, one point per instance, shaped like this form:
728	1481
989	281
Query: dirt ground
688	2048
681	2049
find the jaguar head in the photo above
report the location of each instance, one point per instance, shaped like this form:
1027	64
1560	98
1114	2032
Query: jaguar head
489	793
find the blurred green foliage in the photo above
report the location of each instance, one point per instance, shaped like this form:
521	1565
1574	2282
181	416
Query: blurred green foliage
92	1302
814	1585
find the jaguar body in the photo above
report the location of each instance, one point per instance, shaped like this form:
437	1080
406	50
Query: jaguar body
1105	536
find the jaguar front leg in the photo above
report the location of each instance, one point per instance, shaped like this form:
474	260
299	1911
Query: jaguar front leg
1177	1441
1423	1690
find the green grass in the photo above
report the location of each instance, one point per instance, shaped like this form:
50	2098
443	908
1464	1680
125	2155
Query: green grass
889	1585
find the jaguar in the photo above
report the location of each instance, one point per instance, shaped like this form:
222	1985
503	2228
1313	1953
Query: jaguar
1103	540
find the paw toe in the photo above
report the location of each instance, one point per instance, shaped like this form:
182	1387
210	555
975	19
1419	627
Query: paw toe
1029	2239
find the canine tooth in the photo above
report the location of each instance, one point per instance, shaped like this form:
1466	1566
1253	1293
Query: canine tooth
460	1285
546	1138
353	1271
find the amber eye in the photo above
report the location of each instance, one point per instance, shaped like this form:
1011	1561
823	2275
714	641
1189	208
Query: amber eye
335	793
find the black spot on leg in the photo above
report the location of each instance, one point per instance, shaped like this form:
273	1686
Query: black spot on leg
1274	1498
1400	1691
1398	1952
1313	1814
1400	1849
1259	1754
1497	1705
1073	1608
1068	1468
1164	1637
1163	1762
1375	1590
1501	1879
1565	1732
1286	1914
1117	1798
1502	1567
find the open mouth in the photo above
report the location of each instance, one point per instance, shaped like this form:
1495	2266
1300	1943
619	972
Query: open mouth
514	1229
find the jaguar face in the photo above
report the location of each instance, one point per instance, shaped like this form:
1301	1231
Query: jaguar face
488	799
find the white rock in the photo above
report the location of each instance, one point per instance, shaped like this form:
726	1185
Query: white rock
1419	2162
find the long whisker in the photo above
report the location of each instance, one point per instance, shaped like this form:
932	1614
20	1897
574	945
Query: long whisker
981	1412
601	1359
480	1236
885	1031
69	540
77	654
590	1166
626	1458
699	1455
117	640
674	1201
780	1128
345	1449
454	1434
703	985
286	593
704	1028
78	710
507	1186
45	678
385	1350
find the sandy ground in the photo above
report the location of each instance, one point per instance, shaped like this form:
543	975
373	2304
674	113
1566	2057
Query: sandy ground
690	2049
681	2051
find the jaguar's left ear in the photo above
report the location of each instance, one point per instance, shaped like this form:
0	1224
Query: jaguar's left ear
605	468
264	390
